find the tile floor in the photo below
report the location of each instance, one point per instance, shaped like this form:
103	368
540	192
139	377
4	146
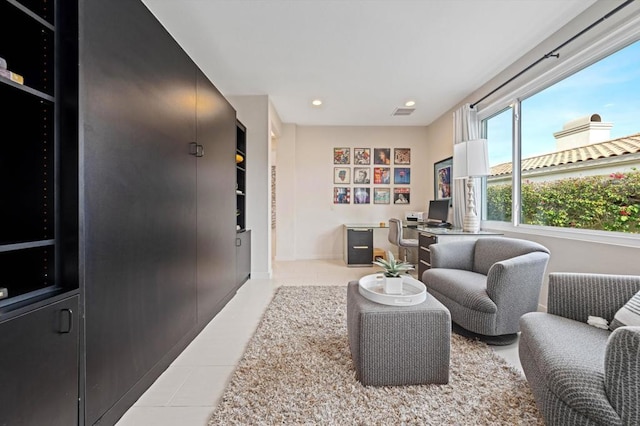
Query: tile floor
186	393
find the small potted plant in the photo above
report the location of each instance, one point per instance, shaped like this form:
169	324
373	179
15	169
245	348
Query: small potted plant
393	271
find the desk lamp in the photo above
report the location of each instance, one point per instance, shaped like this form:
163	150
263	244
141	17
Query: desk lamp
470	160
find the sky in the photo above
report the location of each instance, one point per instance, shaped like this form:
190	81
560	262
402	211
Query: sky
610	88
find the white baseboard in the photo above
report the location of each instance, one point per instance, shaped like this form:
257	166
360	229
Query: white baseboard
261	275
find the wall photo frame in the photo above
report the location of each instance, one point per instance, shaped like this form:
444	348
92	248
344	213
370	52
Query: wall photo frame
341	195
442	175
402	156
341	155
382	156
362	175
401	196
341	175
362	156
382	175
361	195
402	175
381	196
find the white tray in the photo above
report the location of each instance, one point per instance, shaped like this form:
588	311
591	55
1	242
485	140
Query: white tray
413	291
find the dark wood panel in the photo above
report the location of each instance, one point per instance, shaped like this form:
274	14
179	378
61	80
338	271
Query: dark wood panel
216	200
139	193
243	256
39	366
424	253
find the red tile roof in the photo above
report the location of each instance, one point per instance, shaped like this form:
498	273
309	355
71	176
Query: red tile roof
611	148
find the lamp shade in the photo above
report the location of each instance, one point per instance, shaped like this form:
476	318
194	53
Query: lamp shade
470	159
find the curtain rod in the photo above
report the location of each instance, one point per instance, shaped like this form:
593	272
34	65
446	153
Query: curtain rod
554	53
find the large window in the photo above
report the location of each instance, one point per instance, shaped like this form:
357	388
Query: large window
499	130
579	151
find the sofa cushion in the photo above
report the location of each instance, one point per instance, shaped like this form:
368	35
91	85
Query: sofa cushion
629	314
570	357
467	288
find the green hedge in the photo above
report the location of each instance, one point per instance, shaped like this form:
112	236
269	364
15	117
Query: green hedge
609	203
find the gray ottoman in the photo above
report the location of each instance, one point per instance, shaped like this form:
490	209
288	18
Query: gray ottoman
398	345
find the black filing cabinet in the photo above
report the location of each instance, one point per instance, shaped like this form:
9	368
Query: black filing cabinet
358	250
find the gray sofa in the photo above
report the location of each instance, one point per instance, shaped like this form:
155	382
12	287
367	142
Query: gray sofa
580	374
487	284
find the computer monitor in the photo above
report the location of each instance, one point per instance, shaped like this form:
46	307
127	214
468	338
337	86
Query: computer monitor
438	210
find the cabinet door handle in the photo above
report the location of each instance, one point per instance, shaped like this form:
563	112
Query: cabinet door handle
238	242
196	149
193	148
66	321
361	247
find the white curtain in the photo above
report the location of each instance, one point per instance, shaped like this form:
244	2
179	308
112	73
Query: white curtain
466	127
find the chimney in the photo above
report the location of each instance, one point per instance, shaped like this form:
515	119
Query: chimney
582	131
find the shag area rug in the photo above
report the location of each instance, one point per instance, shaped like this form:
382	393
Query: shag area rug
297	369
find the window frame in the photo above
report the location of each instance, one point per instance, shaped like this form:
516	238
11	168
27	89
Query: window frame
593	49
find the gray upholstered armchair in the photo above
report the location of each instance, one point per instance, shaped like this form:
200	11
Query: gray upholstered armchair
580	374
487	284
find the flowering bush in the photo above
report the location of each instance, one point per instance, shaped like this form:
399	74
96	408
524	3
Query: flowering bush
608	203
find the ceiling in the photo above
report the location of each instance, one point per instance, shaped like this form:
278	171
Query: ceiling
362	58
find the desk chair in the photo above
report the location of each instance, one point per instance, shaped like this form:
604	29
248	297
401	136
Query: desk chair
395	238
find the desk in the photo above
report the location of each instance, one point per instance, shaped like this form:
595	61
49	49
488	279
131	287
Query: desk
428	236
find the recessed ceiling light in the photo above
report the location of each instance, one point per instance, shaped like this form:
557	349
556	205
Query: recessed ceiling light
409	103
316	102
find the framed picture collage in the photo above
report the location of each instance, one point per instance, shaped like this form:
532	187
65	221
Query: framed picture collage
371	175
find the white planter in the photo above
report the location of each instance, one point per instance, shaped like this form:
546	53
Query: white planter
393	285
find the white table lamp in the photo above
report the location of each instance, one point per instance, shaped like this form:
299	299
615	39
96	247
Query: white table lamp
470	160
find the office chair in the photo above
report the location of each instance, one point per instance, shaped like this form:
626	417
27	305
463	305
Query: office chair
395	238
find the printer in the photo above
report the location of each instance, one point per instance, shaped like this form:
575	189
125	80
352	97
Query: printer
413	218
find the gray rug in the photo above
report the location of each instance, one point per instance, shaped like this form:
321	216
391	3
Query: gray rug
297	369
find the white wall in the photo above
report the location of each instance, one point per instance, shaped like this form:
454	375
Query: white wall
308	224
286	196
573	255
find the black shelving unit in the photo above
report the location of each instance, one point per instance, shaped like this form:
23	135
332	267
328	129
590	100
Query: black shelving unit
241	176
27	162
243	236
30	157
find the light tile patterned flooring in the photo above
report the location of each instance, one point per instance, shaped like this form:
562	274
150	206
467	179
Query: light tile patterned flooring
186	393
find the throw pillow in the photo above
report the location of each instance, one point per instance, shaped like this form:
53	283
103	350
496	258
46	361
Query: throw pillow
598	322
629	314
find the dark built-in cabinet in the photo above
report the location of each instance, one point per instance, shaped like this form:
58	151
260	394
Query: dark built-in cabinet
243	239
159	213
243	256
39	366
118	232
